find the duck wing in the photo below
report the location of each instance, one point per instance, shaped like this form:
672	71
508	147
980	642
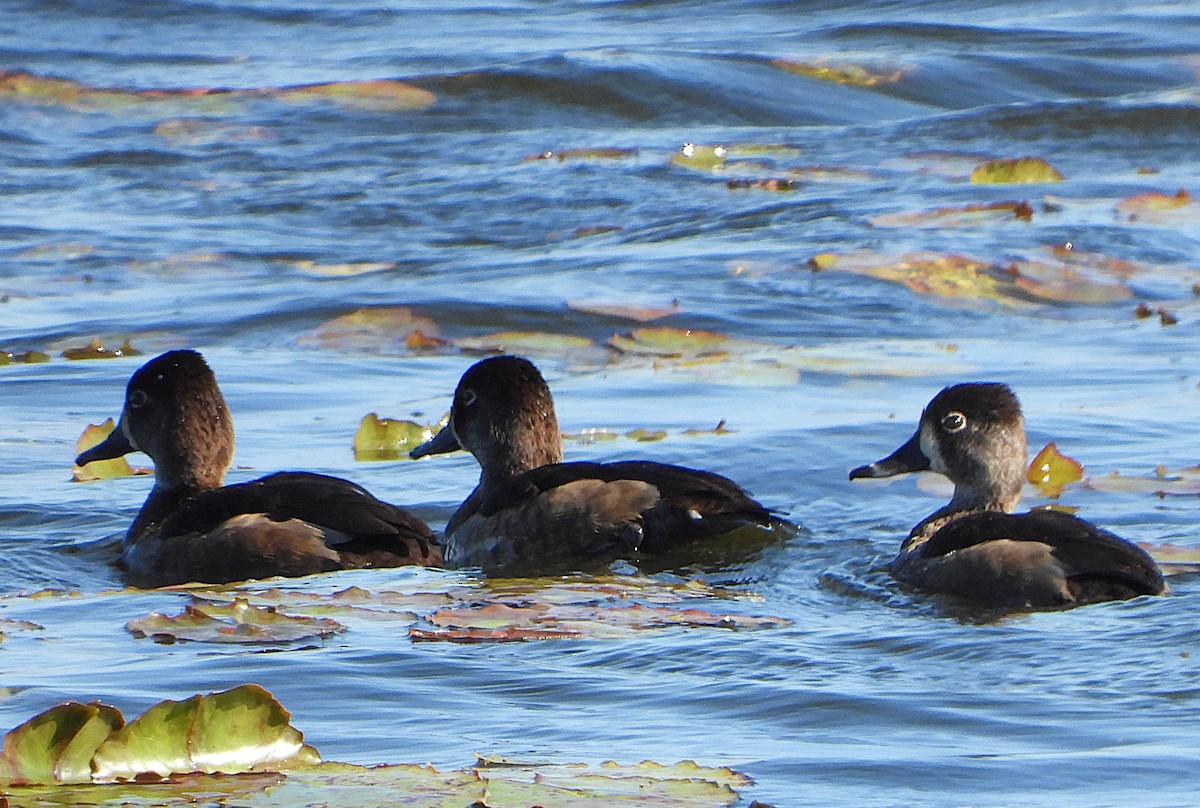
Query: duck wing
339	505
1085	549
706	492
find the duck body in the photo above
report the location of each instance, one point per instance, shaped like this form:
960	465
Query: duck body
194	528
975	548
534	514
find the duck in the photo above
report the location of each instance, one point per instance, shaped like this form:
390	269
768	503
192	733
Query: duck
531	513
194	528
975	547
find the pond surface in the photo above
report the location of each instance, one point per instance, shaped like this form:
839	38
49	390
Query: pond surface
243	223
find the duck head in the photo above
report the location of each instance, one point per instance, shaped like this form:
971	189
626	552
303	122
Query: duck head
503	414
972	433
175	413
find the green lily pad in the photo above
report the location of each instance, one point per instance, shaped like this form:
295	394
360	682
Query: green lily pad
230	732
700	158
606	153
1016	170
238	622
671	342
57	746
525	342
389	439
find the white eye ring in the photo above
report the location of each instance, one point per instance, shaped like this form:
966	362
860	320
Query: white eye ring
468	397
954	421
137	398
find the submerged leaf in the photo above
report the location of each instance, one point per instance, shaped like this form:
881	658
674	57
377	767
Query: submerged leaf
609	153
238	622
642	314
93	435
1016	170
387	438
383	95
851	74
1051	471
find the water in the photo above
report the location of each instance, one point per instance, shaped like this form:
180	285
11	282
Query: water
213	232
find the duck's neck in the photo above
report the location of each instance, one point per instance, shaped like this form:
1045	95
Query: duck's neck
991	496
509	458
174	483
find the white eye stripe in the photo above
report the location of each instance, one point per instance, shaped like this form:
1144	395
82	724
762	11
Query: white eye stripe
469	397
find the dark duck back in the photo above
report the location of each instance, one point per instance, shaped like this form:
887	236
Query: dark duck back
974	547
194	528
532	513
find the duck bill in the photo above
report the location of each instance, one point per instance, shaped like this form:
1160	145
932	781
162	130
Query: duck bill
443	442
907	458
117	444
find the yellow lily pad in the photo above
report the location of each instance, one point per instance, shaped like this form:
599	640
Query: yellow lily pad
384	95
373	328
845	73
387	438
701	158
344	270
1051	471
1016	170
671	342
94	435
525	342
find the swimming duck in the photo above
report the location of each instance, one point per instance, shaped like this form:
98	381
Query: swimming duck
975	547
532	513
194	528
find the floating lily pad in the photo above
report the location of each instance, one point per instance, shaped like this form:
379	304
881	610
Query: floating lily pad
843	73
96	350
345	270
701	158
642	314
93	435
1051	471
1060	283
1016	170
238	622
232	731
1174	559
958	216
767	184
387	438
57	746
1159	208
525	342
609	153
375	328
671	342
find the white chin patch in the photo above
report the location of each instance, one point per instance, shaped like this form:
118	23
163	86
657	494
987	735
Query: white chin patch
929	446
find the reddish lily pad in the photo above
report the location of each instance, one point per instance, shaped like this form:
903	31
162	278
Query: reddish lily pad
238	622
1017	170
1152	202
1051	471
958	216
203	131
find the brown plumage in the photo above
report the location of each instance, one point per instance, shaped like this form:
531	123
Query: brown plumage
194	528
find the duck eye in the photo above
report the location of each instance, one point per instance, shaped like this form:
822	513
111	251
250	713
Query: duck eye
137	398
953	421
468	397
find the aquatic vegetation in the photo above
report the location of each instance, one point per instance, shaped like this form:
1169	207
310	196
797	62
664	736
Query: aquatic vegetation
96	350
388	438
238	622
1016	170
958	216
1051	471
840	73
